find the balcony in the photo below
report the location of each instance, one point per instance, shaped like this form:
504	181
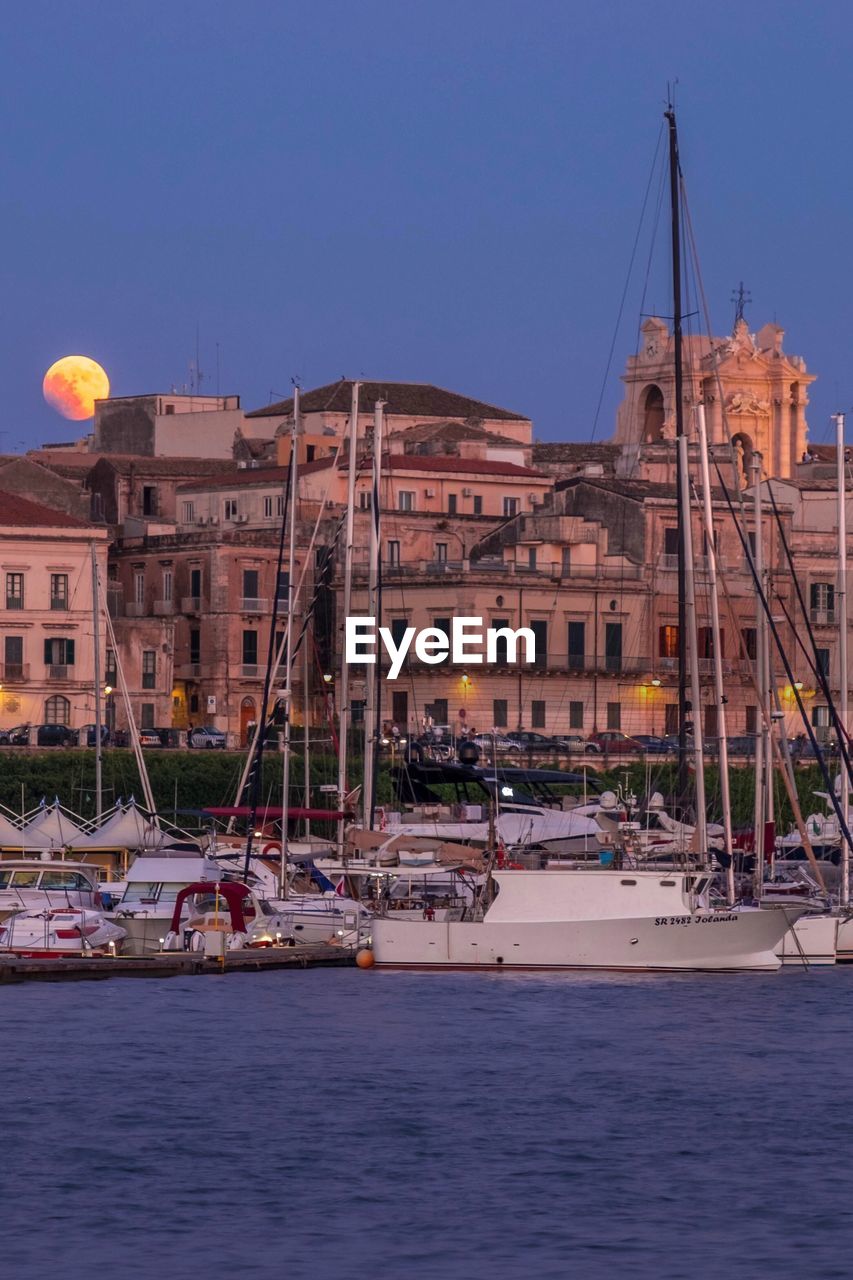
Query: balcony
14	602
57	671
163	608
133	609
188	671
252	604
14	672
190	604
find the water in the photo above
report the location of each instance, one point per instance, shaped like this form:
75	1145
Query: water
335	1123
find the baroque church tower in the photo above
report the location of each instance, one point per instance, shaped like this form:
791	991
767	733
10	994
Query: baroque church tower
754	394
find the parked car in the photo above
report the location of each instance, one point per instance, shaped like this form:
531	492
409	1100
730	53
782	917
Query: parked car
653	744
570	742
17	737
495	742
207	737
55	735
90	735
533	742
611	742
150	738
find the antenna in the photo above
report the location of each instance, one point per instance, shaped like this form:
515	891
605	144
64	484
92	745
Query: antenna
740	297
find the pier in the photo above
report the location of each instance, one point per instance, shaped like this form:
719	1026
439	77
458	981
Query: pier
171	964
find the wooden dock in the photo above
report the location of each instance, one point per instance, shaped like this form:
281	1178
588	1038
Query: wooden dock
171	964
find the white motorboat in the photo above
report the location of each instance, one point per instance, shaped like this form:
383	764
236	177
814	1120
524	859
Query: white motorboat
590	919
35	884
153	883
66	931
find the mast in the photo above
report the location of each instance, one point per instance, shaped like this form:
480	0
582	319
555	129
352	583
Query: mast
371	716
674	176
343	708
96	640
762	741
692	647
306	713
719	687
288	660
841	606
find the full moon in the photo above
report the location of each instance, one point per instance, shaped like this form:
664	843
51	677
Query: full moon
73	384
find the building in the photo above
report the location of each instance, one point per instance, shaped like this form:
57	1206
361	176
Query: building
157	426
46	614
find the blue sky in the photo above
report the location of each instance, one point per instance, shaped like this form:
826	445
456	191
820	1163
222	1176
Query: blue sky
441	192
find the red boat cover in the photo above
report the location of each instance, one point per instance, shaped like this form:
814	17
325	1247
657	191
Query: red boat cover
233	894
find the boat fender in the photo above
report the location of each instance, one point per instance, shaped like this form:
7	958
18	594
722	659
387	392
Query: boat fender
236	941
195	941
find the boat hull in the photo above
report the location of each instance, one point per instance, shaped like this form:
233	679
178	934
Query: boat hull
733	941
812	940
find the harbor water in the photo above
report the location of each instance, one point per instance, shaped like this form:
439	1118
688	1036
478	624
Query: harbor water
381	1125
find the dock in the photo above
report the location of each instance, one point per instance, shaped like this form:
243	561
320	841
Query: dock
171	964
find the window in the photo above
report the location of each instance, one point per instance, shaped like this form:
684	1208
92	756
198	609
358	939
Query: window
749	636
400	708
443	624
167	586
149	500
451	504
705	640
13	657
670	541
614	715
499	713
822	661
441	552
310	451
195	584
575	715
531	557
14	591
613	648
365	500
566	562
282	585
57	710
268	508
59	591
279	505
195	646
139	587
357	706
822	602
149	669
501	651
405	500
230	509
169	408
668	642
577	645
188	509
540	634
250	584
194	704
398	630
146	715
510	507
250	648
537	715
58	653
478	505
394	554
110	669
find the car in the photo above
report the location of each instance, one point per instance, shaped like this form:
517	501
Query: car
150	738
89	730
495	742
653	745
55	735
569	743
612	742
206	737
533	742
17	737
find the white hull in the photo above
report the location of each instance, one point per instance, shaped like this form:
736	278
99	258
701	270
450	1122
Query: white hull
582	920
812	940
844	944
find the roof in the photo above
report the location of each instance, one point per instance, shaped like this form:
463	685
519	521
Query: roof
125	463
574	451
403	399
470	466
22	513
451	433
245	476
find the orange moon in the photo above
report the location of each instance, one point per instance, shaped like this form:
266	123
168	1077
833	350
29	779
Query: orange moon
73	384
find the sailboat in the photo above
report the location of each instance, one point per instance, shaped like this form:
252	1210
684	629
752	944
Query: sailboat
612	916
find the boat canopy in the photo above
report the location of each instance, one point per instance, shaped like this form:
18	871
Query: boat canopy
233	895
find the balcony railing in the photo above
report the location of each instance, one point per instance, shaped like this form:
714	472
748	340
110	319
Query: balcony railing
164	608
252	604
57	671
14	602
59	603
14	672
190	604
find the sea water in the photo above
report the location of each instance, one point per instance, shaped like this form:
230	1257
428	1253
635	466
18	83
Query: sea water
337	1123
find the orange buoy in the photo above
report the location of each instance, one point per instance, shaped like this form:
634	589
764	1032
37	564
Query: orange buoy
365	959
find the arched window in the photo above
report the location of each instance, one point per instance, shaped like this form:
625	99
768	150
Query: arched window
57	710
653	414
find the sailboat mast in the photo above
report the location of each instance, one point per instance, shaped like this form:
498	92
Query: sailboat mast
96	640
288	661
762	741
371	717
674	176
343	702
841	607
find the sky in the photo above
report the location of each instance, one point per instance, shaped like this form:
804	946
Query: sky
432	192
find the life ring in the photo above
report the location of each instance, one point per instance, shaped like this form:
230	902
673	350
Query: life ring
274	844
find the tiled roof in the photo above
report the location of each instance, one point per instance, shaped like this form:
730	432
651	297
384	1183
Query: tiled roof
451	433
247	476
573	451
470	466
21	513
124	463
405	399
